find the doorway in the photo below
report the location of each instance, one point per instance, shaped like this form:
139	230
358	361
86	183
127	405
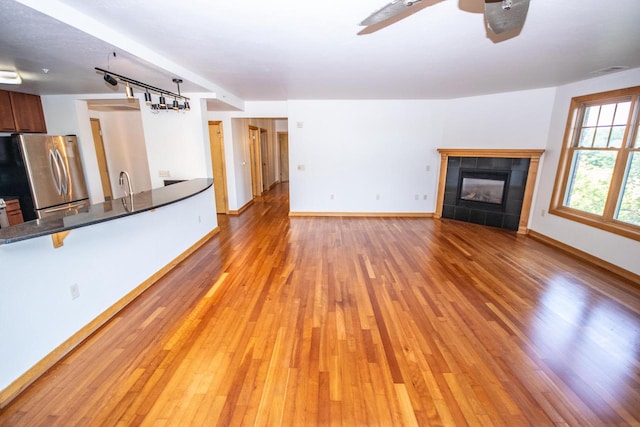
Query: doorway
264	155
283	145
103	168
219	167
256	161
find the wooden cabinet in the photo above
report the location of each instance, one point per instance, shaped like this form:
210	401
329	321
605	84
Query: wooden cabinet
21	112
6	113
14	214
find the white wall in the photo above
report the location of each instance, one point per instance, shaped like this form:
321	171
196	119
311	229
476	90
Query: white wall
37	313
359	151
125	149
615	249
177	142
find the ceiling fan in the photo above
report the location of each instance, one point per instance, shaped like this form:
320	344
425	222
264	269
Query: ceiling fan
501	15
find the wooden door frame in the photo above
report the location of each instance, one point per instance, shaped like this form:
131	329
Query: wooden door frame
278	134
100	150
255	160
264	156
223	185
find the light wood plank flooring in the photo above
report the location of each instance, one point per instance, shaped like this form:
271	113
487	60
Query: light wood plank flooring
357	321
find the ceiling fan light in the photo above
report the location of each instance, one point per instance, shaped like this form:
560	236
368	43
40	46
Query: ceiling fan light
10	77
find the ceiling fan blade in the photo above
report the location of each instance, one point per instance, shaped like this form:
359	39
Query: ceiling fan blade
505	15
389	11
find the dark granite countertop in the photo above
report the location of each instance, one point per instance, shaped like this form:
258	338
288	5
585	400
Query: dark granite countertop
101	212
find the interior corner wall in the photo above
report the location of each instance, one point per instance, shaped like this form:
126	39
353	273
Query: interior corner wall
618	250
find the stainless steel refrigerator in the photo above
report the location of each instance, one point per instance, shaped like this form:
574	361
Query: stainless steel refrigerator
44	172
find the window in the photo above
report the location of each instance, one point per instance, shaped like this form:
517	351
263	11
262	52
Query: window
598	181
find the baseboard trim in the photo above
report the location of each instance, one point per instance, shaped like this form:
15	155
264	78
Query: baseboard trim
25	380
584	256
242	209
365	214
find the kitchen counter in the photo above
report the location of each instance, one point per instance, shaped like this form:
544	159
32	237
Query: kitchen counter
107	211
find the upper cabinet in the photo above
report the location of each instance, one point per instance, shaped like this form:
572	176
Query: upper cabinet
21	112
6	115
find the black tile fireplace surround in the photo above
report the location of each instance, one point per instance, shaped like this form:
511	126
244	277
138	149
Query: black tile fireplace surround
504	215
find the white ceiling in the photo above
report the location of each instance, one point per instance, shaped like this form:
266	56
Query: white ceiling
286	49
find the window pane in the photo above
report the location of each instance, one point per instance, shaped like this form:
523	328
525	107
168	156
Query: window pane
622	113
602	137
636	144
589	181
606	115
629	209
586	137
591	116
617	133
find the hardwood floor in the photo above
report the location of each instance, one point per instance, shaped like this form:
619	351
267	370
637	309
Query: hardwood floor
357	321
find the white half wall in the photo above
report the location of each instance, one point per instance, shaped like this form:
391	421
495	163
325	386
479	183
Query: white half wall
106	261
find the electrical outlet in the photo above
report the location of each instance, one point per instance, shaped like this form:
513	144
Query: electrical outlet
330	196
428	168
199	219
417	197
75	291
377	197
424	197
542	212
164	174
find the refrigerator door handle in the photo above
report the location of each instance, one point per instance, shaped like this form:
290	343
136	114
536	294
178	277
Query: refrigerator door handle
55	174
64	179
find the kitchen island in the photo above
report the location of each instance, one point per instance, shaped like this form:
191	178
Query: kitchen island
52	298
107	211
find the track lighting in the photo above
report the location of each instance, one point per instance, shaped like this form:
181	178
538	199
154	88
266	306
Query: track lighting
110	80
147	98
129	91
113	78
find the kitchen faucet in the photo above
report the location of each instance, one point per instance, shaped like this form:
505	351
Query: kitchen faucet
123	175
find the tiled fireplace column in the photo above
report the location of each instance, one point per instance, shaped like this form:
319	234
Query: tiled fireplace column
485	154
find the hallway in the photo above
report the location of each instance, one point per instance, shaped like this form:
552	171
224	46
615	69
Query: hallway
357	321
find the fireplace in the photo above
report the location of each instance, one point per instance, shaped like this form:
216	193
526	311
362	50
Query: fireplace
486	188
491	187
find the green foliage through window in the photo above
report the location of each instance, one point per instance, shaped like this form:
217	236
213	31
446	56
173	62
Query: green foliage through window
600	168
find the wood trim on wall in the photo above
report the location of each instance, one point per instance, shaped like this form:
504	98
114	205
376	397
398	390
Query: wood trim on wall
242	209
25	380
584	256
532	155
364	214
